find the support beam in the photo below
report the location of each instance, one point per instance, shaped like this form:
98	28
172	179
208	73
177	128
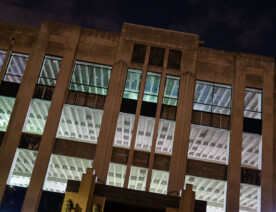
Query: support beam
33	195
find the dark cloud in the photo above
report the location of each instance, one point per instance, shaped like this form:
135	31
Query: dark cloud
247	25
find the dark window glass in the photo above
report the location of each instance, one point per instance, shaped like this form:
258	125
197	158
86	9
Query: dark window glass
139	53
174	59
156	56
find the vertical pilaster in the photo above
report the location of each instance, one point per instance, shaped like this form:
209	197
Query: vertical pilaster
21	106
235	144
267	140
109	120
32	198
178	163
137	115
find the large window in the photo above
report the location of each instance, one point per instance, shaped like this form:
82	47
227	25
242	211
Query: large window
80	123
152	87
116	175
6	106
138	178
212	97
16	67
49	71
90	78
159	181
171	90
253	103
132	85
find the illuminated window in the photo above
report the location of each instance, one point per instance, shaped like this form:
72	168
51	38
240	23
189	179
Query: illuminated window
159	181
2	57
152	87
138	178
16	67
132	84
49	71
80	123
212	97
6	106
116	175
90	78
171	90
253	103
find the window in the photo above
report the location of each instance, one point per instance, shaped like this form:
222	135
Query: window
49	71
152	87
171	90
90	78
253	103
2	57
132	85
16	67
156	57
138	178
159	181
174	60
212	97
139	53
116	175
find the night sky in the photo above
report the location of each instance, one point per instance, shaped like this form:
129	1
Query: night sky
240	26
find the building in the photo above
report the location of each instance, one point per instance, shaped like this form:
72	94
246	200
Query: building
149	109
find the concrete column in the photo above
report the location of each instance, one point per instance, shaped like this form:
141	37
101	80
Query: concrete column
109	121
267	140
178	163
137	115
235	144
181	135
21	106
32	198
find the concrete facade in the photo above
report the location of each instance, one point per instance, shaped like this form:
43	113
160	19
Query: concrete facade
181	56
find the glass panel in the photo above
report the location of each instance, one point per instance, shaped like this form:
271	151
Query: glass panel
152	87
124	130
80	124
165	136
249	198
208	144
159	181
138	178
49	71
251	150
116	175
253	103
22	168
6	106
144	133
132	85
16	67
212	191
37	116
63	168
90	78
171	90
212	97
2	57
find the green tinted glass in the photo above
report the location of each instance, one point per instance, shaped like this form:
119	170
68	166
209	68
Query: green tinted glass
152	87
90	78
132	85
171	90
